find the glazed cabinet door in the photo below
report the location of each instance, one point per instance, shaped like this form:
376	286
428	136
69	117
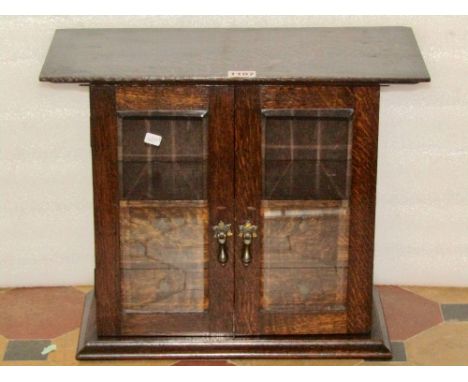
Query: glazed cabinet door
163	179
305	199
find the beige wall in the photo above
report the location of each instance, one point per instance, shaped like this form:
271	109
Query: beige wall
46	234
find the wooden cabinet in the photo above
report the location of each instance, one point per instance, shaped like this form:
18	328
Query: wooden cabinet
279	157
234	216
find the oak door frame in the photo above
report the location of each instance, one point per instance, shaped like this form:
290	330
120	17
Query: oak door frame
250	101
106	103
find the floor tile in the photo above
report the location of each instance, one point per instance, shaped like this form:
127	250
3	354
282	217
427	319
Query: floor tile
38	313
399	357
148	362
24	350
386	363
3	345
66	352
442	295
414	318
66	349
24	363
84	288
399	352
406	313
296	362
458	312
201	362
444	344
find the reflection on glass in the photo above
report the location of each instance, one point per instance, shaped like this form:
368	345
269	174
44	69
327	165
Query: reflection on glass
174	170
163	214
306	185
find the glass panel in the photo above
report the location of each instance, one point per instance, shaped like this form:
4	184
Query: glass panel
163	214
305	208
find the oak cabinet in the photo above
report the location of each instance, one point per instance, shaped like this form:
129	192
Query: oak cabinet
234	216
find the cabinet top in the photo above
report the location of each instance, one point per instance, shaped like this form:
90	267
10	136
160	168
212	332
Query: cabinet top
351	54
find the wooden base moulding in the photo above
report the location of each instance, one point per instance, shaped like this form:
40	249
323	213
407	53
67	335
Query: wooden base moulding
375	345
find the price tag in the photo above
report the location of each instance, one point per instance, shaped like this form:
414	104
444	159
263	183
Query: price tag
153	139
242	74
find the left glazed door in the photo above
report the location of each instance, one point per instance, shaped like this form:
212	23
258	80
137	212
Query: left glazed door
163	178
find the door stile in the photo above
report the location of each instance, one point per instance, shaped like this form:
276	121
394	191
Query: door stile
106	210
221	207
362	211
248	189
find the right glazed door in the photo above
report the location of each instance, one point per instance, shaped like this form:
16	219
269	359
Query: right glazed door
305	199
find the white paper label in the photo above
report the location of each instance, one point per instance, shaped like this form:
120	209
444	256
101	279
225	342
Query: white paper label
242	73
153	139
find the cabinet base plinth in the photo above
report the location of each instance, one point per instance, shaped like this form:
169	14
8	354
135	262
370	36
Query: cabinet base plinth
375	345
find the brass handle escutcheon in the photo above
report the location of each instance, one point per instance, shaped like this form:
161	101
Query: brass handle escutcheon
248	232
221	232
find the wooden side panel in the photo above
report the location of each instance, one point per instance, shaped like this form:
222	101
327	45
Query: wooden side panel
362	208
248	190
106	209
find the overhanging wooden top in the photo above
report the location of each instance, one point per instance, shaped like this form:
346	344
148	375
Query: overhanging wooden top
367	54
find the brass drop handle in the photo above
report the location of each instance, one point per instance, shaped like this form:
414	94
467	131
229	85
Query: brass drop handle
221	232
248	232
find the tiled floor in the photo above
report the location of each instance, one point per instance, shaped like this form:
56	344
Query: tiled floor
427	326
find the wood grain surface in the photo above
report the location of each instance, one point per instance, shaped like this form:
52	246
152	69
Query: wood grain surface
375	345
362	208
106	209
248	191
333	294
352	54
